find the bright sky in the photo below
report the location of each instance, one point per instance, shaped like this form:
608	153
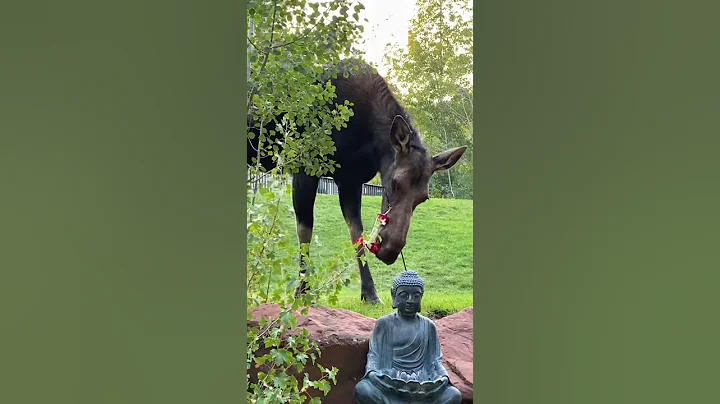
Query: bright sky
388	21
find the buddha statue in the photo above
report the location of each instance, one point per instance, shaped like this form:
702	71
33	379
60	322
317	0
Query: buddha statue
404	364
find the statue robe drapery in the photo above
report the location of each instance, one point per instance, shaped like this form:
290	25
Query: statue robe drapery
382	355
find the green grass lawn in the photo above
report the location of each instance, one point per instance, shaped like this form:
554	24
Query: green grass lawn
439	247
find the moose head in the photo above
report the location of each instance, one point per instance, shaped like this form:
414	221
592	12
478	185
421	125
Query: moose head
406	184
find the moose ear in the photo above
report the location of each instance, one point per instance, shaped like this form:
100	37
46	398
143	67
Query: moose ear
400	135
448	158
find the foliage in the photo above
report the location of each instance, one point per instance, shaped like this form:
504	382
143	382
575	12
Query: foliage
376	180
294	47
272	277
434	76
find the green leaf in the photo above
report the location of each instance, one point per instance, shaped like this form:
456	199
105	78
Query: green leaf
324	386
280	381
332	374
301	357
280	356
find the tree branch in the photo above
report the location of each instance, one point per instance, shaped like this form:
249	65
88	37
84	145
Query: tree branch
254	46
267	55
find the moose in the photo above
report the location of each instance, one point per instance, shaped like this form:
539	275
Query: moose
379	137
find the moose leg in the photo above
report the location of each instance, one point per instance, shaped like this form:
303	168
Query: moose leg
350	203
304	191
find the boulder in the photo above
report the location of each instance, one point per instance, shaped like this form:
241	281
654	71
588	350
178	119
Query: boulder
456	339
343	337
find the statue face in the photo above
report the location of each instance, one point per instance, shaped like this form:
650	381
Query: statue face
407	299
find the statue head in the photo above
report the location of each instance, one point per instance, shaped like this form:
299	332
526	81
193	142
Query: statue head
407	292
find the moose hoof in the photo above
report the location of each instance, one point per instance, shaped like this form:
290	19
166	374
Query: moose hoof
370	299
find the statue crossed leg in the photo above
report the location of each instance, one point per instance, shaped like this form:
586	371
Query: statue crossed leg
366	393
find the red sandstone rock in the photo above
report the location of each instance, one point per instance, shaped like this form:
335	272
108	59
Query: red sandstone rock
456	339
343	338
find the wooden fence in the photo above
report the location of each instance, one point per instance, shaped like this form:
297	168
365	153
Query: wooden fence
326	186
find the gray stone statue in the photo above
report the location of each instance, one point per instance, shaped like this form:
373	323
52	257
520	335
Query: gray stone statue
404	364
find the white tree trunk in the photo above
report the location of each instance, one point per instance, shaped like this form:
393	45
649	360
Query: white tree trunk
445	140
